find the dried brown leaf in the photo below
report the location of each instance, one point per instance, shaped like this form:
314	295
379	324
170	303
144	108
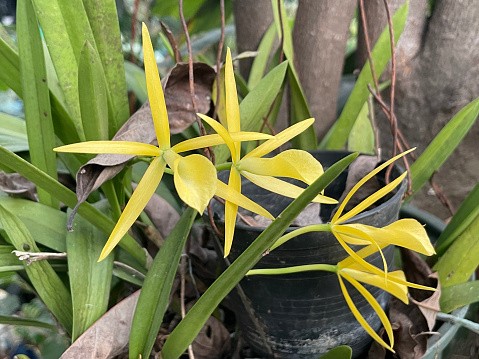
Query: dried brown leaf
213	341
13	183
109	336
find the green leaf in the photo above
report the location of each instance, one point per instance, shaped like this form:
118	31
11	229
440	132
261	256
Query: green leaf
299	112
65	27
341	352
9	260
459	295
25	322
468	212
189	327
103	19
46	282
93	95
299	105
361	137
461	259
89	280
136	81
442	146
10	73
41	179
156	288
13	133
47	223
337	136
256	105
261	60
38	115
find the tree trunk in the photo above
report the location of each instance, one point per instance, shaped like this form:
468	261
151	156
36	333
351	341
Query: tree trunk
252	19
320	34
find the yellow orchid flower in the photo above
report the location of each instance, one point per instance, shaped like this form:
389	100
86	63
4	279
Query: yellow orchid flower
407	233
354	272
261	171
195	177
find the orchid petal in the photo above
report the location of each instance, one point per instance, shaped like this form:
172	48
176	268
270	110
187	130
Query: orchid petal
215	139
231	210
112	147
372	199
230	195
155	93
377	308
136	204
283	188
297	164
406	233
364	180
352	232
232	107
280	139
195	180
398	290
220	130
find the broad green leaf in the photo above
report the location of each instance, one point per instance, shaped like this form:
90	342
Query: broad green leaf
288	38
47	223
46	282
136	81
65	27
341	352
89	280
25	322
41	179
256	105
156	288
38	115
189	327
468	212
337	136
93	95
459	295
103	19
13	133
361	137
261	60
461	259
442	146
208	16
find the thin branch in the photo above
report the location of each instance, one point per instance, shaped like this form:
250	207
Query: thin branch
218	58
30	257
208	151
281	45
368	44
172	41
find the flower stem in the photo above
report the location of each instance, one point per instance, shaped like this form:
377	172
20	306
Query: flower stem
223	166
297	232
296	269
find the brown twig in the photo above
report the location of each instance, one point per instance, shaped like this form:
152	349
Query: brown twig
368	44
208	151
134	17
281	45
218	58
172	41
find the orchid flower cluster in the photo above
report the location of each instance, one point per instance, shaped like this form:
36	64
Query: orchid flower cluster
407	233
195	177
196	182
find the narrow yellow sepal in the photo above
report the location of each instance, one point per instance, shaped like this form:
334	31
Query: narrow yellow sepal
136	204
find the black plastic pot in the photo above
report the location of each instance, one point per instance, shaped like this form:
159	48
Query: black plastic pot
304	315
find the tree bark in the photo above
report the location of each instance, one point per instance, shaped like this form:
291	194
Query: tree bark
320	34
437	71
252	19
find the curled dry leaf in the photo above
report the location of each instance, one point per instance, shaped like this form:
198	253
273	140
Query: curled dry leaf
213	341
140	128
110	334
13	183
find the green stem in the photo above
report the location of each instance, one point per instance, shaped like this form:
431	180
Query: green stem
296	269
224	166
302	230
110	193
